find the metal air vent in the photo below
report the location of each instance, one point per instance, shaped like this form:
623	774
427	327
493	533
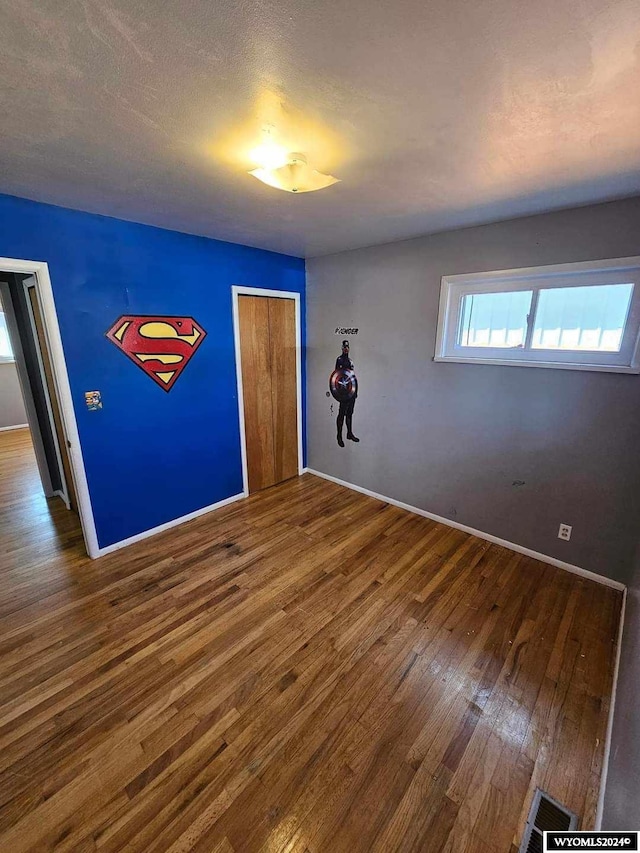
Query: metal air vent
546	815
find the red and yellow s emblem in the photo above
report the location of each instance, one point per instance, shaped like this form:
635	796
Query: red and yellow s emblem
161	346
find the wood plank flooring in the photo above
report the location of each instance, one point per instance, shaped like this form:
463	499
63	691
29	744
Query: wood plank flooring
306	670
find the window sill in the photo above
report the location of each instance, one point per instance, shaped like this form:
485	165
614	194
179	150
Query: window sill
556	365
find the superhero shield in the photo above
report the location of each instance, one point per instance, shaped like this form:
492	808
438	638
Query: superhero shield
343	385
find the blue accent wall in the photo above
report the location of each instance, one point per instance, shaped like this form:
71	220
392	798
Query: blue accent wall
151	456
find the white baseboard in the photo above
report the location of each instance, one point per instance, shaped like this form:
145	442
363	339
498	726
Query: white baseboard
612	707
520	549
108	549
15	426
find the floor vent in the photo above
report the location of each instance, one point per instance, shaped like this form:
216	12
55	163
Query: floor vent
546	814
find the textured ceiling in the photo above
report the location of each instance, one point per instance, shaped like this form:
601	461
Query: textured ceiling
434	114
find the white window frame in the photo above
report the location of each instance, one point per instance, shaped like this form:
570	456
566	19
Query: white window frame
455	287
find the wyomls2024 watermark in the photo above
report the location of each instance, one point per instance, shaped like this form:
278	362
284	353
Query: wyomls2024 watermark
557	841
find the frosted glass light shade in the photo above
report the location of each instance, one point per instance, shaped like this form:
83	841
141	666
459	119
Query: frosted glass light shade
295	177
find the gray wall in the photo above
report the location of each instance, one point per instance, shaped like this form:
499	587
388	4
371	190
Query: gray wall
11	404
454	438
622	796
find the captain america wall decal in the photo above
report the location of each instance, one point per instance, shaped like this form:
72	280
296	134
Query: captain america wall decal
343	385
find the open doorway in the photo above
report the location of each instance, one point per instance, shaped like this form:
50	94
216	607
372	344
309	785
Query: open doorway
34	444
24	342
27	285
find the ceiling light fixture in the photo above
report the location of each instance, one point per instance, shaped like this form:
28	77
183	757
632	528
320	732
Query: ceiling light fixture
295	176
269	155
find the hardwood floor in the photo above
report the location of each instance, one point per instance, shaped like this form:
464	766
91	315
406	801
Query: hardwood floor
306	670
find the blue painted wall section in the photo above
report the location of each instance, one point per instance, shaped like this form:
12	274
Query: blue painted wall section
150	456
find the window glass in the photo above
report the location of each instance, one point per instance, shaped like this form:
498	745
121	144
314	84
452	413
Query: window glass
494	319
582	318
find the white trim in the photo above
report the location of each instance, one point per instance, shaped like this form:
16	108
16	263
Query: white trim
598	368
512	546
241	290
63	492
453	288
612	707
63	389
17	426
108	549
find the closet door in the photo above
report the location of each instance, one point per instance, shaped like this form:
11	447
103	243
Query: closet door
253	312
269	381
284	393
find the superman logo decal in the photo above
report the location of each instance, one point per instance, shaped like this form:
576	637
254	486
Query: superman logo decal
161	346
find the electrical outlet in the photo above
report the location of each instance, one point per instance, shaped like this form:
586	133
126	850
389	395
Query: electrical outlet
565	532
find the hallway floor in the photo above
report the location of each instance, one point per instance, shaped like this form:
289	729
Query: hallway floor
305	670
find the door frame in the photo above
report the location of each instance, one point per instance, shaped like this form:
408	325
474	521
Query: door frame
63	491
240	290
33	422
44	290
